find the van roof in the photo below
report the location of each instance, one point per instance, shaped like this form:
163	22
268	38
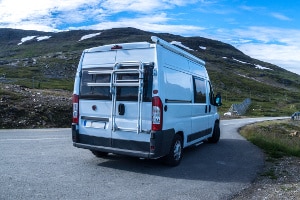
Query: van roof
111	47
145	45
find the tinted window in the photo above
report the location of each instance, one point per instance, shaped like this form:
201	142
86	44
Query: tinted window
211	94
199	91
124	93
94	91
127	93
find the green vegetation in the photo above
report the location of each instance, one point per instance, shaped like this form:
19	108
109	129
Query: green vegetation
52	63
270	173
278	138
8	94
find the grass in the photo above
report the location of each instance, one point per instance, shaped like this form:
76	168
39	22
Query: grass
9	94
270	173
275	137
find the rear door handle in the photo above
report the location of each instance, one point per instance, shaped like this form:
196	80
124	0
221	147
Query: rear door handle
121	109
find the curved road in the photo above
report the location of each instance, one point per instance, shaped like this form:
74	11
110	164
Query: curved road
43	164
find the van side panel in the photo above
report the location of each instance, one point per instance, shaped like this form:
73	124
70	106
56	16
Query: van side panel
177	100
198	70
177	91
174	90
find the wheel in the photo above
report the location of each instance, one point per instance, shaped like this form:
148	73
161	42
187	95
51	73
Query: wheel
216	134
175	155
99	154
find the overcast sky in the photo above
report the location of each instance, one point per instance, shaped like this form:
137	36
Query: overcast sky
268	30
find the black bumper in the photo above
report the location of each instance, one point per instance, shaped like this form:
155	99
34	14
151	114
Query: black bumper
158	146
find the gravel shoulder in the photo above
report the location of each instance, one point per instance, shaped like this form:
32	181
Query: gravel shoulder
280	179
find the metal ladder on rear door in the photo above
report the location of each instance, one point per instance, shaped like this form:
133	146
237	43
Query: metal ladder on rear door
127	68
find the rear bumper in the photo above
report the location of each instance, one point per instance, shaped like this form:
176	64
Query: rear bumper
128	152
158	145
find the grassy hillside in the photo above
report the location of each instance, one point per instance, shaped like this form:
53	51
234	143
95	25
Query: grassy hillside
51	64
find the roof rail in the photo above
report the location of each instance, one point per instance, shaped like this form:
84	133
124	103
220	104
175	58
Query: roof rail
175	49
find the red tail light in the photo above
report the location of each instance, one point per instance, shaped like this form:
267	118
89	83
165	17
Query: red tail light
75	108
115	47
157	114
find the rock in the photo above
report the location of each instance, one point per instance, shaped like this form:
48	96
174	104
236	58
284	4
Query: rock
295	134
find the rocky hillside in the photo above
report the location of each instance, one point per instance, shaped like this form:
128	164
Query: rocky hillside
23	107
36	60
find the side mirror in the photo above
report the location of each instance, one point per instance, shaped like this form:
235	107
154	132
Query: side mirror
218	100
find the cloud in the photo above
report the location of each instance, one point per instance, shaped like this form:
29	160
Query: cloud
275	45
56	15
45	15
278	46
116	6
247	8
142	6
280	17
154	23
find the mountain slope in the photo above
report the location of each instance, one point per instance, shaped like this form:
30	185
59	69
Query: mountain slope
52	62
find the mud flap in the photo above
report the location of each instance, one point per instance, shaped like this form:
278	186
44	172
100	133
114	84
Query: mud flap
160	142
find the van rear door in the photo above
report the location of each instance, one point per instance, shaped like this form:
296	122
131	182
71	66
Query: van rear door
115	97
94	96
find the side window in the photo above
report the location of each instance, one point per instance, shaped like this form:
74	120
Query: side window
199	90
211	94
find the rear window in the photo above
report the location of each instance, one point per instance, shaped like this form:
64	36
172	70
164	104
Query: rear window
94	92
123	93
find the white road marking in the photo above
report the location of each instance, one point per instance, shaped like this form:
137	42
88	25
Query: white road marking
30	139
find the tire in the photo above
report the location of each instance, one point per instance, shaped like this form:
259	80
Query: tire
216	134
175	155
99	154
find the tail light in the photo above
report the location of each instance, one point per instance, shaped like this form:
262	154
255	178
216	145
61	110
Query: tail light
157	114
115	47
75	108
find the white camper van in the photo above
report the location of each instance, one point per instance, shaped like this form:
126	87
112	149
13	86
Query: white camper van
148	100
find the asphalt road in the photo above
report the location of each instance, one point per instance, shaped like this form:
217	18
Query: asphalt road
43	164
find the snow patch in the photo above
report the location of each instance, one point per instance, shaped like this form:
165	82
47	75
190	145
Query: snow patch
249	78
43	38
202	47
38	38
240	61
262	68
256	65
89	36
227	114
25	39
181	45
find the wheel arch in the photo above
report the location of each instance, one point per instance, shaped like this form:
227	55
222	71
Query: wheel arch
181	134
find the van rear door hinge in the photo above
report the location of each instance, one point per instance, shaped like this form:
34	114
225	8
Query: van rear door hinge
154	72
